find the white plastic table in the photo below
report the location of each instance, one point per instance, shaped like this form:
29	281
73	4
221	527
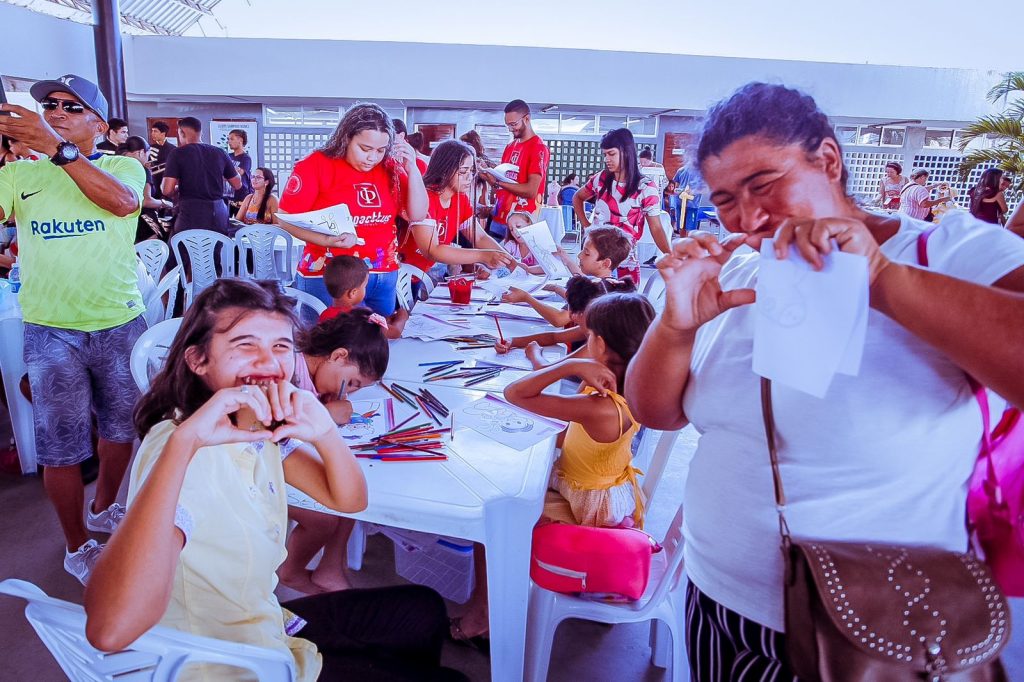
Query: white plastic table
485	492
12	367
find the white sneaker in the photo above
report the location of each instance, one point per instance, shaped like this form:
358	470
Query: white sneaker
80	563
107	520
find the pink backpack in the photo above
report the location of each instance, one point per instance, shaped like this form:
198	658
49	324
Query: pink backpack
586	560
995	494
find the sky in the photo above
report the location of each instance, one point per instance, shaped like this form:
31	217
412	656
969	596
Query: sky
931	33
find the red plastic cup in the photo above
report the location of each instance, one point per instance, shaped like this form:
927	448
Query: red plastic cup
460	289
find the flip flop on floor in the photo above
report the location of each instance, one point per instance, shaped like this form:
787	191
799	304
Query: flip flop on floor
481	643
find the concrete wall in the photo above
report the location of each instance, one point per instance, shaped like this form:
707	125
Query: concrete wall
140	111
472	73
36	46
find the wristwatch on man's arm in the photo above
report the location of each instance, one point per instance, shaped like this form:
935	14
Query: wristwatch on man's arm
67	152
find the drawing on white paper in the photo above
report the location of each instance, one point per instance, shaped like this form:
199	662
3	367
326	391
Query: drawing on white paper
497	417
506	424
368	420
786	308
334	220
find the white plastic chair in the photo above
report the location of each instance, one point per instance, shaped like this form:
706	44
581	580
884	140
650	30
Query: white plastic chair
150	351
156	311
261	242
153	253
200	247
159	655
304	300
652	455
654	291
662	603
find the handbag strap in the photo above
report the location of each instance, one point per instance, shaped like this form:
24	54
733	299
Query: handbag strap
992	487
769	431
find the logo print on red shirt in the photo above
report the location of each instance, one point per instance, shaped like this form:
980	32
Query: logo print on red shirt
367	195
514	158
294	185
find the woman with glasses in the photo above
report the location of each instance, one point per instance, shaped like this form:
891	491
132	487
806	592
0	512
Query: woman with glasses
261	205
624	198
448	179
375	175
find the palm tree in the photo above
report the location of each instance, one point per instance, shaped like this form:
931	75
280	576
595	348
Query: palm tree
1007	128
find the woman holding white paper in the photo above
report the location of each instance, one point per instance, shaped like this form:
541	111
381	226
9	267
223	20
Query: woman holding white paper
366	168
624	198
885	455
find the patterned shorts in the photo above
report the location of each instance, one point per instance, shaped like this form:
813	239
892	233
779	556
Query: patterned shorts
73	375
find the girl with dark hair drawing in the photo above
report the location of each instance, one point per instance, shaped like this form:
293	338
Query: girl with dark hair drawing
448	178
623	198
366	168
261	205
775	169
224	431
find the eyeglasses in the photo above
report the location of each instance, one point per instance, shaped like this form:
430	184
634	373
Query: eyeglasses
69	106
515	124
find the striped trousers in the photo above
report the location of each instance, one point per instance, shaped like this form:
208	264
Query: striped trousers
723	646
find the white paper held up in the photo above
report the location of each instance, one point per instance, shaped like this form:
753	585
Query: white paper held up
334	220
809	325
538	238
503	171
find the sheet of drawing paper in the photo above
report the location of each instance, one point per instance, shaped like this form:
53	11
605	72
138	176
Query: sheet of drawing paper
431	327
507	424
809	324
333	220
371	418
542	246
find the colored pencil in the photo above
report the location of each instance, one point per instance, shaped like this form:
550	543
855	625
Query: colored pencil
344	385
393	394
481	379
501	337
441	362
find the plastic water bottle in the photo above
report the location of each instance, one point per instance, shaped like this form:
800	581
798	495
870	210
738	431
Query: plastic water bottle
15	278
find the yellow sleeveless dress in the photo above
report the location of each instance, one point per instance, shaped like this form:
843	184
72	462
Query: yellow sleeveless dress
596	482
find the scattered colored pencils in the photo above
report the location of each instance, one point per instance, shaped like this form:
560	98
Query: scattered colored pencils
414	443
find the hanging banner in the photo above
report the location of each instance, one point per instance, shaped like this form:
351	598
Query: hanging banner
220	127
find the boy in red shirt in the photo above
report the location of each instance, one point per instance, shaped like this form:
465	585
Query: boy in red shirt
346	278
529	153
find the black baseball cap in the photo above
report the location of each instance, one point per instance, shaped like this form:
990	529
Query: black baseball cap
85	90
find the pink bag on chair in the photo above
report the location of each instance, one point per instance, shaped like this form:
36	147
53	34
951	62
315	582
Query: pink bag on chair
995	494
582	559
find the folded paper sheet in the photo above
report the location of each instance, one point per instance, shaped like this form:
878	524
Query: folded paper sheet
334	220
809	325
542	245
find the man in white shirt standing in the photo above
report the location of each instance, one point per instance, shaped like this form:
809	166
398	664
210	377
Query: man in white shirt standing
915	198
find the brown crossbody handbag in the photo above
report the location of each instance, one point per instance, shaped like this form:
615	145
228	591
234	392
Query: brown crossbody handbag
872	611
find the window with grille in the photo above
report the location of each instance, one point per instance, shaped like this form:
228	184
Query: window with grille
282	149
866	170
582	157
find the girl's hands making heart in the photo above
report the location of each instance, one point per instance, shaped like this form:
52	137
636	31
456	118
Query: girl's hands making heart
211	424
304	416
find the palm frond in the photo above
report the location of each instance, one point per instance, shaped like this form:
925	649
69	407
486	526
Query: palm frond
1008	130
1001	158
1012	82
1015	110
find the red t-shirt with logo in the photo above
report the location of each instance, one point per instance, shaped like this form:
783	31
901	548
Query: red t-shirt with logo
448	222
372	197
333	311
532	158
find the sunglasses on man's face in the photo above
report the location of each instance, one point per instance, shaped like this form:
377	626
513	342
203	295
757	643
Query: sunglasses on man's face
69	106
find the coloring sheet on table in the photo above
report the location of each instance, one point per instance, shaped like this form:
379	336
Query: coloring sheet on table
430	327
513	311
809	325
507	424
519	278
371	418
542	246
334	220
515	358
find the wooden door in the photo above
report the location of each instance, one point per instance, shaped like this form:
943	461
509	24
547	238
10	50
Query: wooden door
678	146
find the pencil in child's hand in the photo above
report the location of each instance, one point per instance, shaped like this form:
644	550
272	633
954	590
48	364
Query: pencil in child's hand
501	337
344	384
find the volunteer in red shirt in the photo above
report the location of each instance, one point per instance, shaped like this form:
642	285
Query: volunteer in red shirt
529	153
366	168
448	180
